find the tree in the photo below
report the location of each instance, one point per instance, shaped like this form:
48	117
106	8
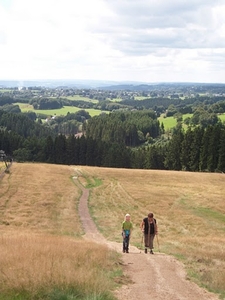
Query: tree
213	148
22	155
221	159
60	149
49	150
174	149
186	150
195	149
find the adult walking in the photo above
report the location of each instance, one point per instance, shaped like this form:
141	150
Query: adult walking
149	229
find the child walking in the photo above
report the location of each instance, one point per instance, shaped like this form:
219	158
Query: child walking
127	227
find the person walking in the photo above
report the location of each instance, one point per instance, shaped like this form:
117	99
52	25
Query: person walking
127	227
149	229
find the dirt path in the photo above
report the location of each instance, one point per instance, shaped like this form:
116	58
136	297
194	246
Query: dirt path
157	276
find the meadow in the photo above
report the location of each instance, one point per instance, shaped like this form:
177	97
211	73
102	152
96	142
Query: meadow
171	122
222	117
168	122
58	112
42	250
81	98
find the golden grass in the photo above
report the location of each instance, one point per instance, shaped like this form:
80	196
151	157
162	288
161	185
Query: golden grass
41	236
34	262
189	208
39	198
38	206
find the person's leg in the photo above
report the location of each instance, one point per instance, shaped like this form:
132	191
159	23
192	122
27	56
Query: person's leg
127	243
124	244
146	243
151	243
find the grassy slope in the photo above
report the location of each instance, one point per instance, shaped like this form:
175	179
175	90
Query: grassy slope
189	208
42	254
41	199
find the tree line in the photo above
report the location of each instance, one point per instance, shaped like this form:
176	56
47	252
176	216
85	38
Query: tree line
196	149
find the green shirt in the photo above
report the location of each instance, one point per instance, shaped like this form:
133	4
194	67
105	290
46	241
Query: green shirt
127	226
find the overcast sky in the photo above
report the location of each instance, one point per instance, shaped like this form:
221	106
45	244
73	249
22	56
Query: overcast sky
120	40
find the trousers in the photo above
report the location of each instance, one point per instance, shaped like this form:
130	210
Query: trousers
126	241
149	240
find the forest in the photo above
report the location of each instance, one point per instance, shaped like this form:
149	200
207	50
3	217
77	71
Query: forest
129	136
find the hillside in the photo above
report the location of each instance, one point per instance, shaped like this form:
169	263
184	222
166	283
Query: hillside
189	208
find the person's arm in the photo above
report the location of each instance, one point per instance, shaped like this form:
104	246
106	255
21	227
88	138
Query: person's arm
142	226
123	232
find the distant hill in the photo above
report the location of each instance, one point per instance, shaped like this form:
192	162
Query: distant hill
160	86
76	83
106	85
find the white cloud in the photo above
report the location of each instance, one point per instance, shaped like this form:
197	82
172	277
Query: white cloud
145	40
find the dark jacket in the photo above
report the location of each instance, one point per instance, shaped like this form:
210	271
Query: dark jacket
152	226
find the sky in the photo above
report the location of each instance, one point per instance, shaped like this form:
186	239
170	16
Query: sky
117	40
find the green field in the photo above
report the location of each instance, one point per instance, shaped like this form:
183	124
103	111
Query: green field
141	97
167	122
81	98
116	100
5	90
58	112
171	122
222	117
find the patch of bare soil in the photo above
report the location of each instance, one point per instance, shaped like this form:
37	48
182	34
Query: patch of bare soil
157	276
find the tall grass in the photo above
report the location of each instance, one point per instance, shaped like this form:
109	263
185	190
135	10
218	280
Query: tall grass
35	266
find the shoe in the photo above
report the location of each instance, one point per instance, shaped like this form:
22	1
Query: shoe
151	252
123	251
146	250
127	251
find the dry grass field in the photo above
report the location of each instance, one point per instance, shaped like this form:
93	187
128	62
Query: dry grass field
39	198
42	253
189	208
41	234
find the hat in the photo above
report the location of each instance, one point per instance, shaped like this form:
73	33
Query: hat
127	215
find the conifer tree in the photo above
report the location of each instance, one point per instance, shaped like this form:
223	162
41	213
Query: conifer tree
174	149
221	159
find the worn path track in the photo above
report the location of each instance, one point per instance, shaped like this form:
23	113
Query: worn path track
158	276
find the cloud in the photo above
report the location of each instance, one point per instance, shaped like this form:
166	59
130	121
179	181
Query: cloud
179	24
113	39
